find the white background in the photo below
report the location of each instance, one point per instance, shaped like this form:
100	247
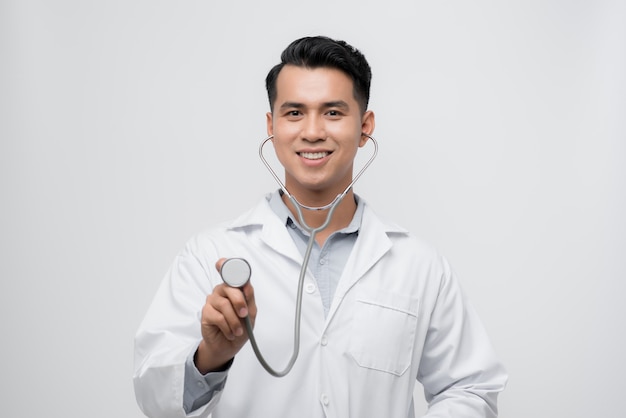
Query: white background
127	126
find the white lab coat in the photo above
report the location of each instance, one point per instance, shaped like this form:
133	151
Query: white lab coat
398	315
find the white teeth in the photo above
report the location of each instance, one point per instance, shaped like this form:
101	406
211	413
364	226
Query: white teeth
313	155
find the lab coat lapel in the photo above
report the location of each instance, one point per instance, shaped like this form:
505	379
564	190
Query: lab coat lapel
371	245
272	231
275	235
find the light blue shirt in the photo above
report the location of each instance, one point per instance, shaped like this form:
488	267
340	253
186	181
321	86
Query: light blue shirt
326	264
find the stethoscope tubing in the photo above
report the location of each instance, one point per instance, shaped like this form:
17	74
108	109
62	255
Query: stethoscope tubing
339	197
307	255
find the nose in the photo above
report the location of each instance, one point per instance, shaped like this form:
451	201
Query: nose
313	129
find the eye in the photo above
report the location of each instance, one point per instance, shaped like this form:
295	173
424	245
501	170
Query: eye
334	113
293	114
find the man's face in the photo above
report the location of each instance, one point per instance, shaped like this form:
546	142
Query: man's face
317	127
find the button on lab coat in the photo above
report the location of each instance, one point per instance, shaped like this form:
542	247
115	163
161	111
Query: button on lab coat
398	315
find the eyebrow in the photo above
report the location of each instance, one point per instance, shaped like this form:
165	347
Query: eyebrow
335	103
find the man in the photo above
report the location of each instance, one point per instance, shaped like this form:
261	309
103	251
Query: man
381	310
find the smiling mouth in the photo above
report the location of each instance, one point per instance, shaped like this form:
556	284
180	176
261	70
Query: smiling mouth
313	155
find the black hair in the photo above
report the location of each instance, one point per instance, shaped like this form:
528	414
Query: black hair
323	52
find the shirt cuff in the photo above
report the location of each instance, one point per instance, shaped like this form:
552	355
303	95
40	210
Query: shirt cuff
200	389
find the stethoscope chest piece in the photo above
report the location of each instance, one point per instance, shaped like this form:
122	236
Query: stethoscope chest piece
235	272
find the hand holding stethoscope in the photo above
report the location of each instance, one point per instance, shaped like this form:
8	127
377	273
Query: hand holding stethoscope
222	322
236	272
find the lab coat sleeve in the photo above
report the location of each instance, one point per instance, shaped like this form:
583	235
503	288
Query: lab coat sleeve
169	332
459	370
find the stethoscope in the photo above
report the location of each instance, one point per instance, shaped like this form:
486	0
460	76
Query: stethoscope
236	271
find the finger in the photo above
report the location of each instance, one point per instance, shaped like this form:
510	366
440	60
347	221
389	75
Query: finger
221	313
215	324
238	300
219	263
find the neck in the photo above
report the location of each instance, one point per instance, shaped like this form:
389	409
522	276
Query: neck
341	217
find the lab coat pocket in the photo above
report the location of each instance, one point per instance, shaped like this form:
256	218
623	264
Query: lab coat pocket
383	331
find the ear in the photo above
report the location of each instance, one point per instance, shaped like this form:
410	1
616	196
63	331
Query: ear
368	123
270	123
